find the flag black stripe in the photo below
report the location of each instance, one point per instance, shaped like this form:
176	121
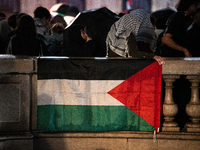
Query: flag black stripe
89	69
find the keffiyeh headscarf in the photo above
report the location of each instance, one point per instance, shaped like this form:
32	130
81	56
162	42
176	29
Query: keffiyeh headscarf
137	22
133	21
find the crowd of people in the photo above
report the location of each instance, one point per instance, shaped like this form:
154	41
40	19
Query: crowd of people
132	36
41	35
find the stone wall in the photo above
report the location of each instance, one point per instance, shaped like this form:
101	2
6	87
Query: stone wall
18	115
18	102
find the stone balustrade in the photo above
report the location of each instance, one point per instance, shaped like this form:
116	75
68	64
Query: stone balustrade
174	68
18	113
19	88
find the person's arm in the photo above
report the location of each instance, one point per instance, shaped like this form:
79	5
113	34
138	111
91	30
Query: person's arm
167	40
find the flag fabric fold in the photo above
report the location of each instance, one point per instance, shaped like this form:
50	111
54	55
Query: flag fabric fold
98	94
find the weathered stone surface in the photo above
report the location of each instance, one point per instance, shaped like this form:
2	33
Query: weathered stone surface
15	102
148	144
17	144
81	144
124	140
16	64
33	106
1	145
18	113
182	66
170	128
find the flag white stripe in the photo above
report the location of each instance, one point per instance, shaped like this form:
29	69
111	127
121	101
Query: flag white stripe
77	92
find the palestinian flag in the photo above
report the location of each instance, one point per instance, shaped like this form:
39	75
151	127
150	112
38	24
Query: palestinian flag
129	4
98	94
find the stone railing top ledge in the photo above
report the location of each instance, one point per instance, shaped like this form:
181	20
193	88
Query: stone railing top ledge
17	64
26	64
182	66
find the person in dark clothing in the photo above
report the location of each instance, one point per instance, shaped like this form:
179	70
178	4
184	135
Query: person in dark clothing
2	16
42	19
13	21
194	36
2	46
91	48
175	36
25	41
55	46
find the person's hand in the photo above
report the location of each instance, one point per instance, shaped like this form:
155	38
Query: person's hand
159	59
186	52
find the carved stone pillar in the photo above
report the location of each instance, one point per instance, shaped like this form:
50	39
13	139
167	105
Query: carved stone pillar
169	108
193	107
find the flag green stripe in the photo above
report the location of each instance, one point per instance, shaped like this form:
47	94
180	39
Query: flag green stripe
89	118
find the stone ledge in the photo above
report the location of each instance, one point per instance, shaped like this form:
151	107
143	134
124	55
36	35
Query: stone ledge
16	135
182	66
16	64
120	134
25	64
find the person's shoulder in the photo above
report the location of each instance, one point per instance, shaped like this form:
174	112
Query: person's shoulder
93	42
177	16
57	36
176	19
195	26
194	30
38	22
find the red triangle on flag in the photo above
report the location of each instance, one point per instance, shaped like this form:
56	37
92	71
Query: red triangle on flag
141	93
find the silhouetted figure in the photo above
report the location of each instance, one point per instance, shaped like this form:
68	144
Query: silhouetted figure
175	36
42	19
55	45
91	47
2	16
58	18
194	36
25	41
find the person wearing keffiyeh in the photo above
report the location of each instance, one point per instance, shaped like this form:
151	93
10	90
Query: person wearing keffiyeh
127	31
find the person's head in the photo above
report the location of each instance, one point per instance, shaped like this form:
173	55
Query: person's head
58	18
85	33
2	16
187	5
57	28
43	14
19	16
197	16
4	29
153	21
26	26
142	16
12	20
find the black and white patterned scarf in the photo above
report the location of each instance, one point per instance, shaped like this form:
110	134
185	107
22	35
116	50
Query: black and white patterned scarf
137	22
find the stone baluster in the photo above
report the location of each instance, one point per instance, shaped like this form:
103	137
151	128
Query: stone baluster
169	108
193	107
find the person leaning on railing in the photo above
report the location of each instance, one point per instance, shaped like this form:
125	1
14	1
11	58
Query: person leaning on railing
133	36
